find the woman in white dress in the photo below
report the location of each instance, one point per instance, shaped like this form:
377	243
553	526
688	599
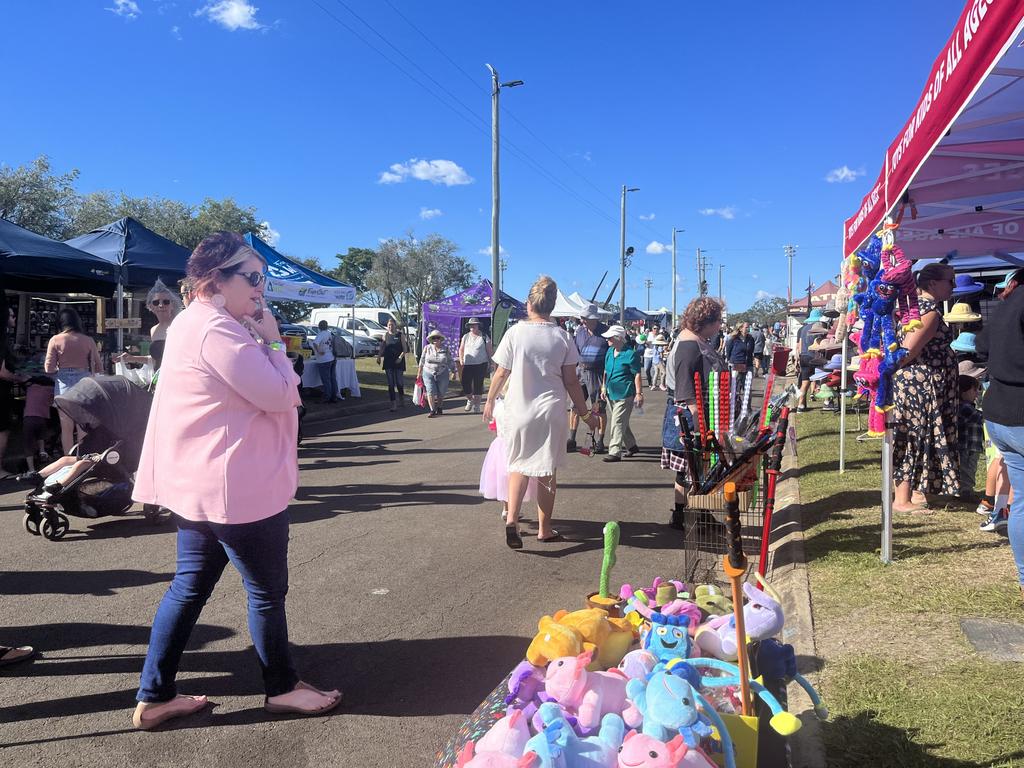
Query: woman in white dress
538	359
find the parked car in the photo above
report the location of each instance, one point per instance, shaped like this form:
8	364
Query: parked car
365	346
335	315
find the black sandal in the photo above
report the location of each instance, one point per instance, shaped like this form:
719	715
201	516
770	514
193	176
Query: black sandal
512	537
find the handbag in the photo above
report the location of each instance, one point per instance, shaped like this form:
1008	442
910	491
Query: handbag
418	395
671	429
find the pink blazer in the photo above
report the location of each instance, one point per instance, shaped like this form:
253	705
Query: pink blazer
221	440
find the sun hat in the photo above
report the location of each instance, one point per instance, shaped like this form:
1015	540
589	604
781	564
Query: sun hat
473	321
961	313
963	343
435	334
820	374
971	368
660	341
854	364
831	313
835	363
590	312
615	331
816	316
965	286
1014	273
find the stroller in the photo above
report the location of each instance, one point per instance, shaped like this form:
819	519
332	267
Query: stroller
96	479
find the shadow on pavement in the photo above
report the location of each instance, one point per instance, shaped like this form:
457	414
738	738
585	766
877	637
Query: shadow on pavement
98	583
65	636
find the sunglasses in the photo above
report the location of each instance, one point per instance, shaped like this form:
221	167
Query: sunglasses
161	302
255	279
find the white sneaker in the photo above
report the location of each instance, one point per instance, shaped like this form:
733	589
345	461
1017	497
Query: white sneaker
984	508
997	522
469	406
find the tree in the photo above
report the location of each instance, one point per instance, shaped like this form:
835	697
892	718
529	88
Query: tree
33	197
353	267
420	270
764	311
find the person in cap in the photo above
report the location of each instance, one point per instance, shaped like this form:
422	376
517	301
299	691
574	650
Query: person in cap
435	369
538	361
475	354
592	346
622	388
809	332
926	457
693	355
1002	343
1009	284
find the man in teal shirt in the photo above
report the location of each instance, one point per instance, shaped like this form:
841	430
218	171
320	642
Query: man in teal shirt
622	387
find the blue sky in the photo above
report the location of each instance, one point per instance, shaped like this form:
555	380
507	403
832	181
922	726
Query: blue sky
728	116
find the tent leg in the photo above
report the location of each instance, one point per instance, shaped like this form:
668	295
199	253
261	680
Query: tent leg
842	411
887	490
120	316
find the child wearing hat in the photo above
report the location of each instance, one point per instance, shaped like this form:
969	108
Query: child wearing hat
970	432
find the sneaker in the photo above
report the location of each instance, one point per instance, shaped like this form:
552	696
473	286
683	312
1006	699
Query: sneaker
984	508
570	446
599	448
997	522
612	457
469	406
631	452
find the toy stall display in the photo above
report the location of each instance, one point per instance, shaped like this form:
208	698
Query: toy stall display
667	684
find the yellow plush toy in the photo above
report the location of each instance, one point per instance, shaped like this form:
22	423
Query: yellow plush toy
569	634
553	641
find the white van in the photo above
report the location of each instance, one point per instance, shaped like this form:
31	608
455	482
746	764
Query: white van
370	320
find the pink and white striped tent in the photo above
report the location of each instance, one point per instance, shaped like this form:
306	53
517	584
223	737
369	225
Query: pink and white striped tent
956	170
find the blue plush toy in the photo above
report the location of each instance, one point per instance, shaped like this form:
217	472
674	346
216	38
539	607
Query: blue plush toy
592	752
778	661
669	705
547	747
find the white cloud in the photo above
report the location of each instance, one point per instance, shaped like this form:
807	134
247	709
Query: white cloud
231	14
444	172
128	9
764	295
176	32
430	213
754	277
843	175
655	247
728	212
270	235
646	217
487	251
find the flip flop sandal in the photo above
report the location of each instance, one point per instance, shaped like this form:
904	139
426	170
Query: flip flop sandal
288	709
554	537
148	724
17	655
308	687
512	537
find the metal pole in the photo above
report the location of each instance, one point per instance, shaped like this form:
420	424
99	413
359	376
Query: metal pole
120	315
648	282
673	323
721	296
700	275
887	496
495	184
789	290
842	409
622	259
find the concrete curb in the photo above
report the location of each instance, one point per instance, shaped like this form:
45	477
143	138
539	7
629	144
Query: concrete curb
790	578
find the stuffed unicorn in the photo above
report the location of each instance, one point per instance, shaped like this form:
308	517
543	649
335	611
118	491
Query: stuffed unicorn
642	751
588	695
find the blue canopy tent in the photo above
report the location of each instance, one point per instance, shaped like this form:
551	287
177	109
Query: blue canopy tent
31	262
139	254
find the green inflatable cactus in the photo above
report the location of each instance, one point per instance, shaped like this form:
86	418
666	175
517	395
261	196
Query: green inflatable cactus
611	541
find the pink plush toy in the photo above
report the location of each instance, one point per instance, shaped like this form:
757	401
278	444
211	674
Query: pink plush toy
867	381
897	270
502	746
642	751
588	695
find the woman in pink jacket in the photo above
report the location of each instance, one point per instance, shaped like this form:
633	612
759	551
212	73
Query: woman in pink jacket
220	453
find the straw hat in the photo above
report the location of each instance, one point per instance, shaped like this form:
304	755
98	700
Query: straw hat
660	341
435	334
473	321
964	343
854	363
971	368
961	313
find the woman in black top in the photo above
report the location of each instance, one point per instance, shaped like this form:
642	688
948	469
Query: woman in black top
392	350
739	349
692	354
1002	340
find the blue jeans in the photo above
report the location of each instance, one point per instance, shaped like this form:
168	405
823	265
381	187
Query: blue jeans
259	551
396	381
436	383
648	369
1010	442
328	379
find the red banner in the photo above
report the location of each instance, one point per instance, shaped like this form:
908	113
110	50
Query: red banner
983	31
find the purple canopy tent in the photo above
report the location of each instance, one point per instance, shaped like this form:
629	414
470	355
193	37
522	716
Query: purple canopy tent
449	315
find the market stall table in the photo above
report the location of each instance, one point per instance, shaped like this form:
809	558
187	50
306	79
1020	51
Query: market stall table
346	370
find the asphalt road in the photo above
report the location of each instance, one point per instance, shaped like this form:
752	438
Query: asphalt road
403	594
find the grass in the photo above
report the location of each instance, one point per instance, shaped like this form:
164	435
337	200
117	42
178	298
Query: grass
904	685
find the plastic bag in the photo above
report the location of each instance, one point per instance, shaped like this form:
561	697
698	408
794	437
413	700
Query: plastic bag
142	377
419	396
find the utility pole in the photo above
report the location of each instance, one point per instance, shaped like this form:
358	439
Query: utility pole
502	266
674	231
721	296
622	254
790	253
648	282
495	181
702	265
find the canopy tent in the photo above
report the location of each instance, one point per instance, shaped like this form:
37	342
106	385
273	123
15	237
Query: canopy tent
447	315
579	301
31	262
288	280
956	167
139	254
634	315
567	307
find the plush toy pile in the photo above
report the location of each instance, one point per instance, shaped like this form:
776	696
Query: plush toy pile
654	689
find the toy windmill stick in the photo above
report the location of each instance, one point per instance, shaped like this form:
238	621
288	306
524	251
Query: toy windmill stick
774	465
735	566
698	391
768	385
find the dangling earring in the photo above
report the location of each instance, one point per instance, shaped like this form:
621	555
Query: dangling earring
218	300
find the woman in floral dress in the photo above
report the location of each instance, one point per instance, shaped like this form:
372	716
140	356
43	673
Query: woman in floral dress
925	456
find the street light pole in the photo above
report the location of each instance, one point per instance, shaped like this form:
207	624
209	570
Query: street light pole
495	180
721	298
622	255
674	230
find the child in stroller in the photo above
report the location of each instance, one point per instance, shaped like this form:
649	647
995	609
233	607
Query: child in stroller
96	479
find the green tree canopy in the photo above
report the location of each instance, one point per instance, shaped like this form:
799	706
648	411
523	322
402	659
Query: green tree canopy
420	270
354	266
34	197
764	311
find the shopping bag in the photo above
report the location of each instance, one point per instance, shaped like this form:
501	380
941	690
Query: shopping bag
141	377
418	395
